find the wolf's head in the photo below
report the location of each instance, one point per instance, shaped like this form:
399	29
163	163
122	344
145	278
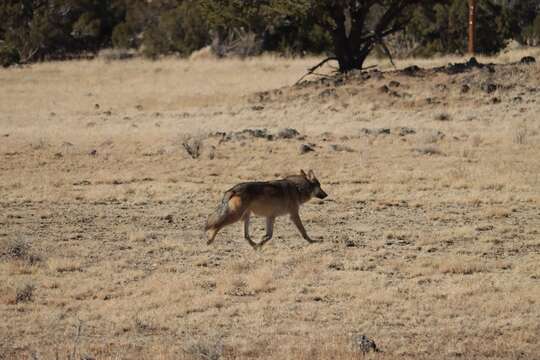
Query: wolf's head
314	184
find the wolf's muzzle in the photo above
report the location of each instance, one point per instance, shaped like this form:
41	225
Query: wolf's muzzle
321	194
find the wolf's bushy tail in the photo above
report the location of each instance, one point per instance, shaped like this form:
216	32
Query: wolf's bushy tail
220	214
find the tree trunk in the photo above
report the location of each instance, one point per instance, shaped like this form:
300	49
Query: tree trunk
350	53
348	56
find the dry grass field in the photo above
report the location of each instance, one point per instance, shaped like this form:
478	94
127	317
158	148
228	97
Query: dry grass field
431	232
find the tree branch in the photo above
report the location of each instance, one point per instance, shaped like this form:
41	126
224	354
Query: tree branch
311	70
387	52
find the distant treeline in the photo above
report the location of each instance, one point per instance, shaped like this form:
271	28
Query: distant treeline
34	30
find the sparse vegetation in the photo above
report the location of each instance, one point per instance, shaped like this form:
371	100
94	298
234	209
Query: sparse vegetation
520	135
25	293
193	145
210	348
427	255
19	248
443	117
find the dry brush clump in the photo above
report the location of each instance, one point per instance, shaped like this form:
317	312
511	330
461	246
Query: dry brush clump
25	293
463	266
17	291
207	347
19	249
193	145
520	135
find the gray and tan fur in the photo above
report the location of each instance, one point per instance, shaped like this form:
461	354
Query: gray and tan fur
265	198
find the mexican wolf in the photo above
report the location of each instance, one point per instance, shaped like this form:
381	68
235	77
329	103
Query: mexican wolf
265	198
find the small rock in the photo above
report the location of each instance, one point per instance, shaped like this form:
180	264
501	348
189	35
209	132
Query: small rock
495	100
484	227
58	155
364	344
441	87
443	117
287	133
380	131
403	131
212	152
411	70
96	106
489	87
93	152
328	93
339	148
139	107
527	60
428	150
473	62
394	84
305	148
338	266
465	88
351	243
257	108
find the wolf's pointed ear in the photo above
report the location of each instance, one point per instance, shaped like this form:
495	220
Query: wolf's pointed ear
311	175
303	173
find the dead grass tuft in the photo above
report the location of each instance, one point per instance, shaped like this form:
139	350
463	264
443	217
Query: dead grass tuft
462	266
261	281
19	249
205	347
238	287
60	265
520	135
137	236
444	116
428	150
193	145
24	293
476	140
498	212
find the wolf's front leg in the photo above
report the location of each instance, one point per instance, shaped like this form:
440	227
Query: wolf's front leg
295	217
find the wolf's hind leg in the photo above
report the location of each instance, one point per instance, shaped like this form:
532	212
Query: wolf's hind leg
269	232
246	217
234	212
211	235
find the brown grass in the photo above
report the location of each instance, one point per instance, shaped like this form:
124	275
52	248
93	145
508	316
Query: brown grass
102	252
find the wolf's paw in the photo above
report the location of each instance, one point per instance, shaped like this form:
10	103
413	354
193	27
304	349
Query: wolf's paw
257	247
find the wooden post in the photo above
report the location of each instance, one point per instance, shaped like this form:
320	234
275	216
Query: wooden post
472	26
